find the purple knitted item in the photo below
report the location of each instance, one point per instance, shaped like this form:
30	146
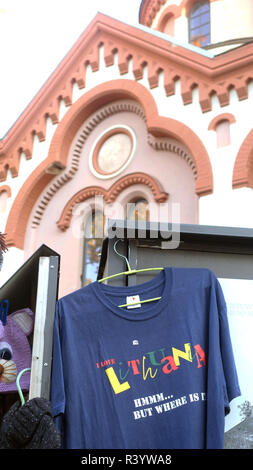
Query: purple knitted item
13	336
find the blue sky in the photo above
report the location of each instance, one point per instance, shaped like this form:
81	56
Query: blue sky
35	36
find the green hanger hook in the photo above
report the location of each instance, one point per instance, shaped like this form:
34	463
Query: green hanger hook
18	385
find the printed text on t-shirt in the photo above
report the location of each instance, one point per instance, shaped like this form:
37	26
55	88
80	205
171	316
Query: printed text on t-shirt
167	365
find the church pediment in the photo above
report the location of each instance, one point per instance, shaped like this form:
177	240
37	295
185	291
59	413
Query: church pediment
135	50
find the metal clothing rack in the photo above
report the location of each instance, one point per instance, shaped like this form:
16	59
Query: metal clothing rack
227	251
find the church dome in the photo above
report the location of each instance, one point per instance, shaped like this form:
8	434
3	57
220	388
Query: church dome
211	24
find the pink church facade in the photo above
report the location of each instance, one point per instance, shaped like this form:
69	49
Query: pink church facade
134	120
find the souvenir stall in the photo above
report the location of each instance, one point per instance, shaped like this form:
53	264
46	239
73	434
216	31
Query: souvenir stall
190	288
166	302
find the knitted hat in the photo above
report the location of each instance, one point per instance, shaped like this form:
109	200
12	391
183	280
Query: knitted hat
14	337
30	426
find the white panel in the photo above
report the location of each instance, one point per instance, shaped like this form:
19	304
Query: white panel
39	326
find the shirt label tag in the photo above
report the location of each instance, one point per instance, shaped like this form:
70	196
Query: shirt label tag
133	299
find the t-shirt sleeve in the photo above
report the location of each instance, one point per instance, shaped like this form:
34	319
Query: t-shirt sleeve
230	377
57	377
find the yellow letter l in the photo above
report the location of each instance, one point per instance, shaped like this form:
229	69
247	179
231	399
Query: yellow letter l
116	385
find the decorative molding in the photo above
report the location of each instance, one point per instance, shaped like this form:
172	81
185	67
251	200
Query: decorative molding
67	129
5	189
243	168
173	146
99	142
111	194
148	11
212	76
157	126
221	117
171	11
99	116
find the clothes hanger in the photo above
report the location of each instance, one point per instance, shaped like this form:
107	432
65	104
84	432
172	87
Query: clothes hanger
21	396
129	272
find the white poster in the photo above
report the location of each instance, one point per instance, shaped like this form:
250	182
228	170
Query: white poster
238	294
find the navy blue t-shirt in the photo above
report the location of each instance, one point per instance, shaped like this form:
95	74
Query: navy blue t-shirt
157	376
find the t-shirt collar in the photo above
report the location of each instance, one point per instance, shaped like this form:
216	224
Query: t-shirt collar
164	277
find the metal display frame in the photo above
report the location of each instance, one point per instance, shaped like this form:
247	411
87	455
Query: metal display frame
224	250
35	285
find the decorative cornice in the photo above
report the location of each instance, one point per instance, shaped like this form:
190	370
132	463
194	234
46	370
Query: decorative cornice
111	194
212	76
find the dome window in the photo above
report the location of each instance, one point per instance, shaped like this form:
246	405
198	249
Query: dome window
199	24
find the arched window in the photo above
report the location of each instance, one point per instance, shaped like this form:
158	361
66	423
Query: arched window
93	239
167	25
199	24
138	210
221	125
3	201
223	133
